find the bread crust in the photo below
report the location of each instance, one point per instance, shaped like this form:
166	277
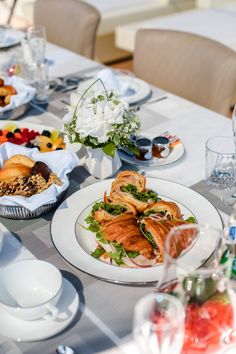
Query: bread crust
19	159
12	171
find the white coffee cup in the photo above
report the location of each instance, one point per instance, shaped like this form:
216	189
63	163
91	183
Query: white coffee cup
30	289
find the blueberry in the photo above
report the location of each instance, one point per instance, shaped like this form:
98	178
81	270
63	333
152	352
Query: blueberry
10	135
49	145
29	145
17	130
46	133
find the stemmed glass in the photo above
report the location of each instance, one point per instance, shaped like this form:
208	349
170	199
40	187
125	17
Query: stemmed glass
36	37
220	167
206	291
159	324
38	72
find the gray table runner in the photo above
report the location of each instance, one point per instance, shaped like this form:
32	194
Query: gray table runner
213	196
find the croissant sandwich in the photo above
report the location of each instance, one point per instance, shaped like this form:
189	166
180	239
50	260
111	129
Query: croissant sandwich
130	186
157	231
121	242
163	210
110	209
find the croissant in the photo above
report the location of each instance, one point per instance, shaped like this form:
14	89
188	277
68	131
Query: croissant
111	209
125	230
129	186
7	90
164	210
157	231
134	178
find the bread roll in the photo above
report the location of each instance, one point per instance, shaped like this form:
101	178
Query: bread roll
7	90
12	171
19	159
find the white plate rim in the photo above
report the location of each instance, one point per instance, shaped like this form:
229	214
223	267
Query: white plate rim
144	91
19	35
65	241
179	153
40	127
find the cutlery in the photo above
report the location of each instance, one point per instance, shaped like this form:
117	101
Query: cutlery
137	107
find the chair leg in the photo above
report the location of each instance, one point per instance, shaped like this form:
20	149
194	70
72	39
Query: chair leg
11	12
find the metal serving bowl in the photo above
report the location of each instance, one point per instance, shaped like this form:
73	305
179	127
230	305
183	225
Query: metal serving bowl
15	113
20	212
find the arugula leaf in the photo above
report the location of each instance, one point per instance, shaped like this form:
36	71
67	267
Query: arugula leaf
148	235
191	220
133	254
153	211
114	209
116	256
98	252
142	196
109	149
97	206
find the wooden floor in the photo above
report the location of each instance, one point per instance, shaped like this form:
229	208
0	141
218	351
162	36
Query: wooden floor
125	65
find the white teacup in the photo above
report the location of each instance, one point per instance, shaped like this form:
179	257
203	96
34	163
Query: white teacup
30	289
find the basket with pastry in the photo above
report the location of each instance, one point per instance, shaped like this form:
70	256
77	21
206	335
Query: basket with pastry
15	95
29	184
131	224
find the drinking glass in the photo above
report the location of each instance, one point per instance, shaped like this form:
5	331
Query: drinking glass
220	167
36	37
206	291
159	324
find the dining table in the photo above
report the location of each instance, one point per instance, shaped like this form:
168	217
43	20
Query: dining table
104	319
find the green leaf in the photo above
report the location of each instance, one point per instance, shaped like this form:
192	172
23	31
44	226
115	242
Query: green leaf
191	220
142	196
98	252
132	254
109	149
133	149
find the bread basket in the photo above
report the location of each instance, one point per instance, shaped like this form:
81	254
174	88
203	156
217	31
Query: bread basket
21	213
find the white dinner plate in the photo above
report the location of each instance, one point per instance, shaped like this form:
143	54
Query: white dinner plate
176	154
138	89
10	37
40	127
74	243
28	331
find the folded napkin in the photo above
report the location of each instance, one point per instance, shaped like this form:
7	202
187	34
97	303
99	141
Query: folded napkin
61	163
112	82
25	93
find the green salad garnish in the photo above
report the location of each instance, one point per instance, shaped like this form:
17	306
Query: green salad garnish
113	209
142	196
148	235
98	252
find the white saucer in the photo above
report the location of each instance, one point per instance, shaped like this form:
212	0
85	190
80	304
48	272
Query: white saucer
27	331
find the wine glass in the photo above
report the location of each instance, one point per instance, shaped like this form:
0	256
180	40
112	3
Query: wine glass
220	167
206	291
36	37
159	324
